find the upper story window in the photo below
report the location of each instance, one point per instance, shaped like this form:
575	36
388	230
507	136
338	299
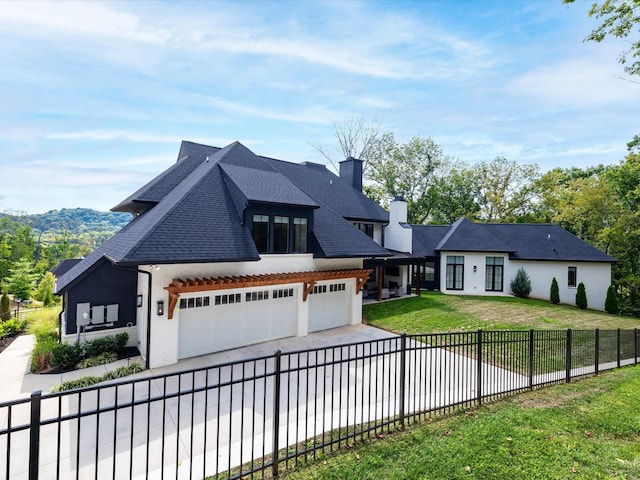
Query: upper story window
280	234
366	228
300	231
573	277
261	232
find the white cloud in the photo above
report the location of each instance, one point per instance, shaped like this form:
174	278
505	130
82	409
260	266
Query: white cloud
315	116
112	135
579	82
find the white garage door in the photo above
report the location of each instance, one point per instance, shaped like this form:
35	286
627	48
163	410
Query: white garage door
227	319
329	306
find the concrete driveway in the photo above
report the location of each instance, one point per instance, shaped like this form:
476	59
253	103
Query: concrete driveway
190	424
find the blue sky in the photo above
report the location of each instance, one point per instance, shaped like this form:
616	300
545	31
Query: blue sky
95	97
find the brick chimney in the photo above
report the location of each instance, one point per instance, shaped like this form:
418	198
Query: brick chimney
351	172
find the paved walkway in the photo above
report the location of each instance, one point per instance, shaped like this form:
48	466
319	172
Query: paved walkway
16	380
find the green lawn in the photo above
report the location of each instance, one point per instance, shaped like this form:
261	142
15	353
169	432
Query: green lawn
436	312
583	430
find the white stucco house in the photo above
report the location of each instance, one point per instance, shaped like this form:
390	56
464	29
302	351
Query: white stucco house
469	258
228	248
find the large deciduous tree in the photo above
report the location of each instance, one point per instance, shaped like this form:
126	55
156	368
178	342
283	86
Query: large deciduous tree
407	169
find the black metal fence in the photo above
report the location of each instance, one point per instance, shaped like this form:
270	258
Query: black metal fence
260	416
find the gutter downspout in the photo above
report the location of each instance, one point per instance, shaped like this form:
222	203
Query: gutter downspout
148	322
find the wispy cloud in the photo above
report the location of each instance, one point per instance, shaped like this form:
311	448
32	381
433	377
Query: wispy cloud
315	116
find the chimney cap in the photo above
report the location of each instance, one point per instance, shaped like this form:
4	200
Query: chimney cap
399	198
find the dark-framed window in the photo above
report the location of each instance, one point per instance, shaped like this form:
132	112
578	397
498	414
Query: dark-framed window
300	233
366	228
572	280
261	232
428	272
494	274
455	272
280	234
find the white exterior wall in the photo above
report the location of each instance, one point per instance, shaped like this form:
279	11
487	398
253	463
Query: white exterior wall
165	333
596	277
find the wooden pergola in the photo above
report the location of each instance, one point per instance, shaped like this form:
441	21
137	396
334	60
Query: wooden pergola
308	279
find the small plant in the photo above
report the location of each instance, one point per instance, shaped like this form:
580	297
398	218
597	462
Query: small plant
101	359
555	292
41	355
611	303
90	380
581	296
521	284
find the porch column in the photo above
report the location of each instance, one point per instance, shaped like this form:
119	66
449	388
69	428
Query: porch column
379	283
418	279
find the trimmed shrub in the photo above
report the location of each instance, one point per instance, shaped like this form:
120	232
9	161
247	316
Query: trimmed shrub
66	355
581	296
611	303
5	306
112	344
554	294
521	284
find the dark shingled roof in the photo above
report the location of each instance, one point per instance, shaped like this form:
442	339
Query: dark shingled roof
193	211
466	236
331	191
520	241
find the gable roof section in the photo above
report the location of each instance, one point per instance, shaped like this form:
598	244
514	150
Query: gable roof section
328	189
266	186
191	155
466	236
545	242
520	241
338	238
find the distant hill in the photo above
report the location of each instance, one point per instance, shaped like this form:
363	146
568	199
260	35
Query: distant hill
74	220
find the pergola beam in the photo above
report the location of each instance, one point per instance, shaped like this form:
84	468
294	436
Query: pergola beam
308	279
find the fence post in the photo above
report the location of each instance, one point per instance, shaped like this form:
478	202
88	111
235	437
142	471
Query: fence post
531	347
618	348
597	351
568	360
635	346
276	411
403	366
479	372
34	435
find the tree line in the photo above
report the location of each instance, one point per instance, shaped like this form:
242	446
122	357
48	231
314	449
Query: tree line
32	245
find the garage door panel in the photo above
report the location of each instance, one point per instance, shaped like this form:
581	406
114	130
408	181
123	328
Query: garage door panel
223	326
329	306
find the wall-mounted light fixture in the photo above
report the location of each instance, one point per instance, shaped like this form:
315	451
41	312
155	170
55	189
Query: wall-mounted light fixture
160	310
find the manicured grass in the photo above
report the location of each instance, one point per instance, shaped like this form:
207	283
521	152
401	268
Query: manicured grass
584	430
436	312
